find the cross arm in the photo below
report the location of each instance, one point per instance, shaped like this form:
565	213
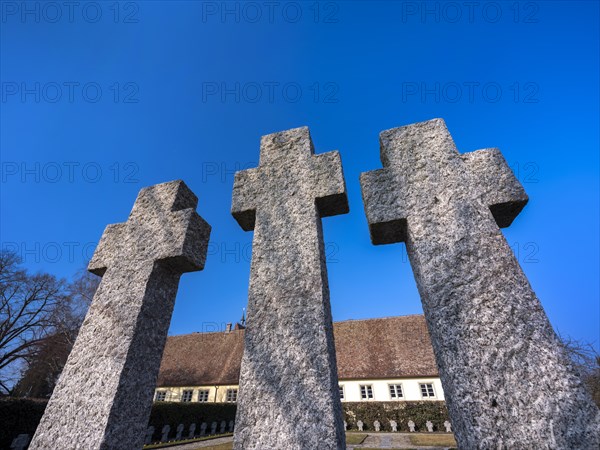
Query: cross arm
243	205
496	183
112	237
187	248
384	208
329	184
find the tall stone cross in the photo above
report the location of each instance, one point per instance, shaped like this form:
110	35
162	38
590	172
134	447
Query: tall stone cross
506	377
289	395
104	395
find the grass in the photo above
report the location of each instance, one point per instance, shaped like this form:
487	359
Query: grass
434	440
186	441
355	438
351	438
439	440
226	446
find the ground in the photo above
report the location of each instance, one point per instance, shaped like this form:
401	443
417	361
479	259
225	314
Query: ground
370	441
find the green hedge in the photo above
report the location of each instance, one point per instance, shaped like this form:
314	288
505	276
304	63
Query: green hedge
401	412
19	416
174	413
22	415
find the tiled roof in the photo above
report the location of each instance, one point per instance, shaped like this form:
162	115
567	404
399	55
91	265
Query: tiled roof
393	347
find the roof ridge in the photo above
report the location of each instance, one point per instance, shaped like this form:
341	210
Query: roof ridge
203	333
339	321
379	318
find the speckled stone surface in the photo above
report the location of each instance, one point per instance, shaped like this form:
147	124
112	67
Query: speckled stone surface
104	395
289	397
506	377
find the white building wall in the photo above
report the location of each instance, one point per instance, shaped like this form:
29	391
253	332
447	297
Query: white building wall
381	393
215	393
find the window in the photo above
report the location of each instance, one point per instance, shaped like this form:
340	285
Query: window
186	396
427	390
396	391
231	395
203	395
161	396
341	392
366	392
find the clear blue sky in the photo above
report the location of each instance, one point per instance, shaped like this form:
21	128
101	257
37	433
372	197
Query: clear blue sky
100	100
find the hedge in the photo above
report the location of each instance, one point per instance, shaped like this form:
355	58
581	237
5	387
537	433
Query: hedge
174	413
22	415
401	412
19	416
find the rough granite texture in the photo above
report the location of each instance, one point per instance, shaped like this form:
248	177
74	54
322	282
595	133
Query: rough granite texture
289	397
506	377
104	395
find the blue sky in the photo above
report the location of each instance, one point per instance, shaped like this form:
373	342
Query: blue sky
101	99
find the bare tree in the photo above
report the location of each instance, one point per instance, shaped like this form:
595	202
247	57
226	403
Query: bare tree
43	367
26	306
586	361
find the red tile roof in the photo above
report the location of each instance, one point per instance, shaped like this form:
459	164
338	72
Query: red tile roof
393	347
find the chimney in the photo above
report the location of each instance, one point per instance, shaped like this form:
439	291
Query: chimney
228	328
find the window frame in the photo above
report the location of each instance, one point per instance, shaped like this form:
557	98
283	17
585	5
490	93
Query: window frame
368	389
233	392
162	394
184	395
204	393
342	391
427	395
395	387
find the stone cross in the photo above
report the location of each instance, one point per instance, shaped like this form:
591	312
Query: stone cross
104	395
394	425
377	425
480	308
165	433
192	431
448	427
429	426
213	428
360	425
203	426
149	434
180	428
411	426
289	394
20	442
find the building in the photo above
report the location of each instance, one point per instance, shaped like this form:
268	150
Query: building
388	359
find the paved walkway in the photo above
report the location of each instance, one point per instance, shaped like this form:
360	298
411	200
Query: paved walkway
391	441
380	440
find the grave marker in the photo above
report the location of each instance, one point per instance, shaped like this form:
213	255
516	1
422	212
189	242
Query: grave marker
289	393
104	395
480	308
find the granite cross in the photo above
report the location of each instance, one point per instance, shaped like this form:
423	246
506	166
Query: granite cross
289	395
104	395
505	374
